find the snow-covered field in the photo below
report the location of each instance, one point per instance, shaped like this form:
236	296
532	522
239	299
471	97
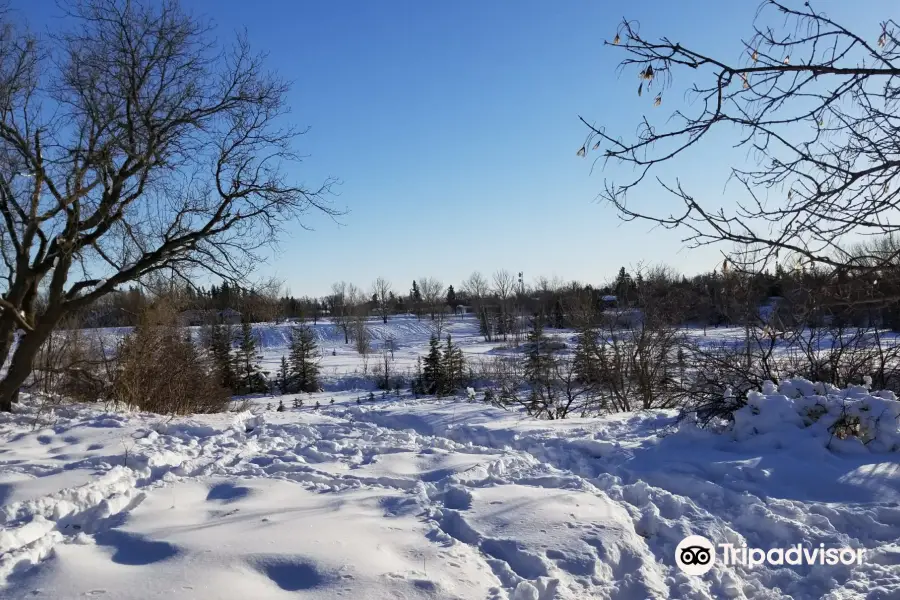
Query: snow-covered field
441	498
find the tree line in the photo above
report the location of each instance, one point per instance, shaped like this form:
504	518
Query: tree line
504	305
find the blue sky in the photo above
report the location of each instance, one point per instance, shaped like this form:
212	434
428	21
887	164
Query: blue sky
453	127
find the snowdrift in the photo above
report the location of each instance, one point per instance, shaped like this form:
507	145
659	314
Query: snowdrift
797	411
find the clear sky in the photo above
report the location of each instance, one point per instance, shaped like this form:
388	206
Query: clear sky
453	127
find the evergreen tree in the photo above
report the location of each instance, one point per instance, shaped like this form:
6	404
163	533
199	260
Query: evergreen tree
250	377
432	369
559	317
624	287
415	298
416	387
284	376
453	366
226	296
220	340
452	302
537	357
587	355
304	366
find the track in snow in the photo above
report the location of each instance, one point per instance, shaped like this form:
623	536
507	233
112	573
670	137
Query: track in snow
460	505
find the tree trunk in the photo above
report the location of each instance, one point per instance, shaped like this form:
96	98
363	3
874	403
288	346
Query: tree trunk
22	295
23	360
7	338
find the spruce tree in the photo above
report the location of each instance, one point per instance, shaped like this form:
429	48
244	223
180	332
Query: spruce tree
284	377
559	317
220	345
415	298
452	302
304	366
452	368
250	377
537	357
417	383
432	369
587	354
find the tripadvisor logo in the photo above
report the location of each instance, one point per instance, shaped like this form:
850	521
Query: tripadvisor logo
695	555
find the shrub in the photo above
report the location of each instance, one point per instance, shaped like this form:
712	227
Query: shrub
160	370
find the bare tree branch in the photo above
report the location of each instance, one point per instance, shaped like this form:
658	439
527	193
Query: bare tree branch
162	151
815	104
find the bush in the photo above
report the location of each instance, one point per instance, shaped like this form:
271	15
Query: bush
160	370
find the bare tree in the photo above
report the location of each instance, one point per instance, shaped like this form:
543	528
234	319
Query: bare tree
814	102
432	291
381	291
439	319
383	371
357	311
262	301
560	395
504	289
634	358
476	286
504	284
341	307
132	143
356	301
362	337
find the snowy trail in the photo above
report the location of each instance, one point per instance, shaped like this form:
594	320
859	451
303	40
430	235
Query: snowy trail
684	485
452	489
417	499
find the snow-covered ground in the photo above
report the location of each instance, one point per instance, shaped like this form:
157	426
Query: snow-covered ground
442	498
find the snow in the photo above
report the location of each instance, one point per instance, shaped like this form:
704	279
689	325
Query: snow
444	498
820	409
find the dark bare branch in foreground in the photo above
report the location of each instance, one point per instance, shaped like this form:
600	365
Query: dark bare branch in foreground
813	102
